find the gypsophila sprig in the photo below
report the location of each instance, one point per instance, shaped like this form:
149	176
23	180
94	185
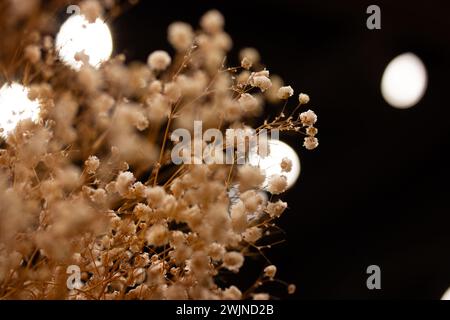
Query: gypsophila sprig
90	185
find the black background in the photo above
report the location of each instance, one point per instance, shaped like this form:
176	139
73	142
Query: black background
376	190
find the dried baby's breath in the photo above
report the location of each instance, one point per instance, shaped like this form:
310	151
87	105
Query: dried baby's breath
92	184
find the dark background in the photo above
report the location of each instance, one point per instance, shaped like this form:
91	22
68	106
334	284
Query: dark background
376	190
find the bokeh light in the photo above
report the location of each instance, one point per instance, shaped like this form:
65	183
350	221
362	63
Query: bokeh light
404	81
271	164
15	106
78	35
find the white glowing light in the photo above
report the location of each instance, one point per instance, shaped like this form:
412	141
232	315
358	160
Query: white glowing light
404	81
15	106
446	295
271	164
78	35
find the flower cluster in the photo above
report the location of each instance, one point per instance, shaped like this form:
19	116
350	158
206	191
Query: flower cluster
91	183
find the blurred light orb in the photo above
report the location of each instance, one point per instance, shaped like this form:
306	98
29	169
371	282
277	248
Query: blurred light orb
78	35
271	164
15	106
404	81
446	295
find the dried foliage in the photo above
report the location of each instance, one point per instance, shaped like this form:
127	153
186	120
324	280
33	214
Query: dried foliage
92	184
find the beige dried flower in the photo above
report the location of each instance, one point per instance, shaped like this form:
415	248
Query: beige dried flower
216	251
262	82
311	143
124	181
33	53
272	93
212	21
248	102
238	217
285	92
275	209
92	164
291	288
157	235
261	296
286	165
91	9
232	293
250	177
172	91
159	60
303	98
94	181
270	271
311	131
251	54
233	261
277	184
246	63
308	118
180	35
252	234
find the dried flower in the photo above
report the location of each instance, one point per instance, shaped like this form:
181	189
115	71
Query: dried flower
261	296
291	288
233	261
311	131
33	54
277	184
246	63
238	217
124	182
248	102
303	98
212	21
92	164
261	81
91	9
157	235
232	293
308	118
251	54
311	143
93	179
286	165
159	60
250	177
180	35
285	92
275	209
270	271
252	234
